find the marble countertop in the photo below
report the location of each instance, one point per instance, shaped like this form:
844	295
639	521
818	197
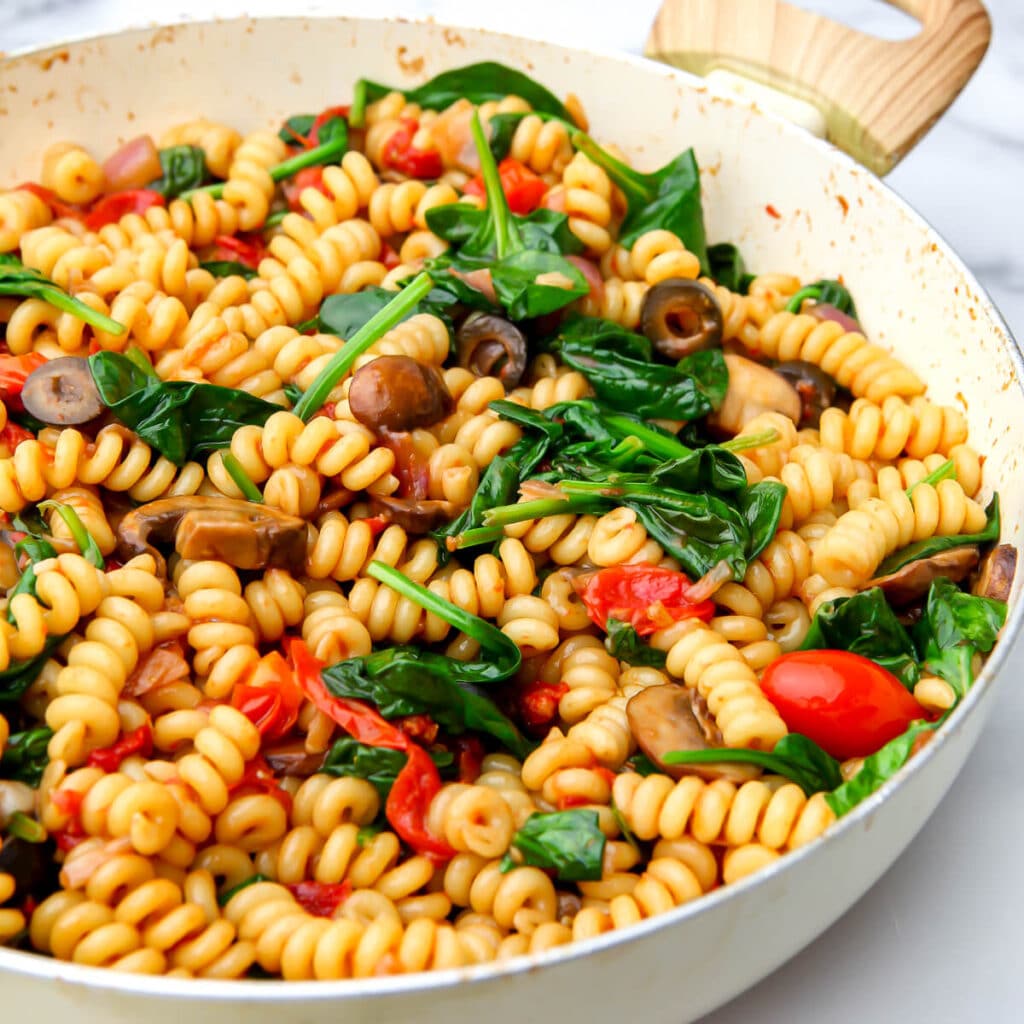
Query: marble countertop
937	939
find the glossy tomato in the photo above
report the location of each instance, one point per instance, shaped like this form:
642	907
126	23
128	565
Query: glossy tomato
847	704
648	597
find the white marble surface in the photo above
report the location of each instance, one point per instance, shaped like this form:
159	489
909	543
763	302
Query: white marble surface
938	939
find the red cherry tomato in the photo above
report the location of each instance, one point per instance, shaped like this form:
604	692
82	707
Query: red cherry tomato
523	189
114	207
271	697
646	596
308	177
401	155
247	249
847	704
14	371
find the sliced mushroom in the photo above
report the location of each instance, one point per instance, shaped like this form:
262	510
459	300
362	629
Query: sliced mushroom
817	390
293	759
399	393
753	389
491	346
667	718
907	585
680	316
241	533
415	515
995	578
62	393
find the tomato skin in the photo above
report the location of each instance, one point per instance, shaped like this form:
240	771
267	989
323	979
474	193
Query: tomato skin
401	155
523	189
14	371
847	704
271	697
113	207
646	596
308	177
109	758
247	249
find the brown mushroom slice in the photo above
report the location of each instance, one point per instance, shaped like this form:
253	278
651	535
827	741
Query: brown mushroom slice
62	393
995	578
399	393
911	582
663	719
415	515
293	759
680	316
754	389
491	346
241	533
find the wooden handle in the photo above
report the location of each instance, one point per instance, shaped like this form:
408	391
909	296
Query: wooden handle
878	96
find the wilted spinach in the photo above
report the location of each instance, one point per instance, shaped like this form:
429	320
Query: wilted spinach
570	843
183	167
378	765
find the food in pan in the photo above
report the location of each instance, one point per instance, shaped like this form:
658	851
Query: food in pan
421	547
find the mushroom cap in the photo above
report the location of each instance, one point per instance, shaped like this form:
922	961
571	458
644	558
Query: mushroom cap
667	718
491	346
241	533
398	393
911	582
995	577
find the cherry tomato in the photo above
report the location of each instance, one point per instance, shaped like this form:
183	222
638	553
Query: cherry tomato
538	704
109	758
271	697
14	371
114	207
321	899
57	208
646	596
11	436
308	177
247	249
401	155
523	189
847	704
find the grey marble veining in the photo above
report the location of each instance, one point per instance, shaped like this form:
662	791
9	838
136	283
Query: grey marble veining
938	938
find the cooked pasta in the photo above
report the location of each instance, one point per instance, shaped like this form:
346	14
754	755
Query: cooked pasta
359	622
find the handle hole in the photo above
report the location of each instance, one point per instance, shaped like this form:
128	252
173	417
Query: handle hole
872	17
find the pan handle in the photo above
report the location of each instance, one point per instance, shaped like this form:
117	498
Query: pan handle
878	96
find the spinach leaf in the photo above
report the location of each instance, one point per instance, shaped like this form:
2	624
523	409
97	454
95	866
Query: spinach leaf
761	506
20	675
518	252
618	366
228	268
343	315
33	549
179	419
570	843
877	769
408	680
643	765
25	757
832	293
17	279
545	230
626	644
478	83
865	624
796	757
954	627
702	530
935	545
332	130
668	198
183	167
727	267
351	759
